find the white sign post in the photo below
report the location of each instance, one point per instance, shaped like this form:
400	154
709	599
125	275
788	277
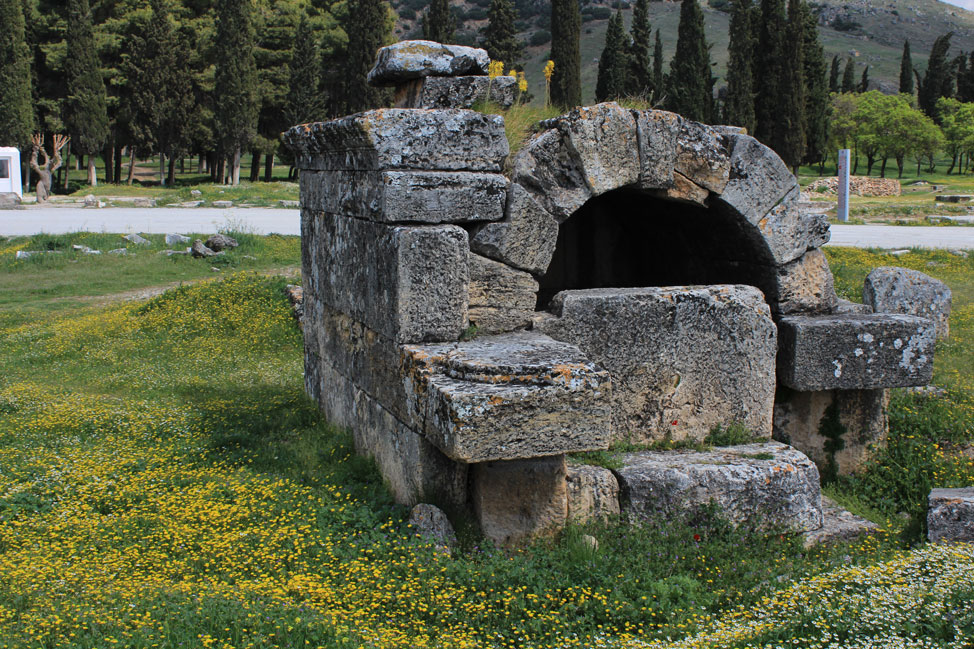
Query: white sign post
843	189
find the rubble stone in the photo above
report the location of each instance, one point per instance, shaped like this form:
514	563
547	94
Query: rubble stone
889	289
950	515
430	522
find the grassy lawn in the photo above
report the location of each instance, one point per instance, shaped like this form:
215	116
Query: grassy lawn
164	482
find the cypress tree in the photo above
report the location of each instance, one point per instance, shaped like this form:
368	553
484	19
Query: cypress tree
438	22
303	103
817	104
639	77
789	141
965	81
235	80
769	63
906	70
611	82
566	27
500	39
86	108
16	110
658	68
690	84
864	80
938	80
367	30
739	105
849	76
834	75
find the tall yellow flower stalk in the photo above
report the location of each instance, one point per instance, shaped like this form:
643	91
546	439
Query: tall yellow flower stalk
494	69
522	85
549	69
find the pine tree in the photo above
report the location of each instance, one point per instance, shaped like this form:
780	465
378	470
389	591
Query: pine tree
438	22
938	81
16	110
864	81
566	27
500	39
639	77
817	104
612	64
849	76
739	105
658	68
789	141
86	108
235	80
769	62
906	70
834	75
690	83
367	30
303	102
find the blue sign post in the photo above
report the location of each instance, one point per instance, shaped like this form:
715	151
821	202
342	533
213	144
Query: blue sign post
843	189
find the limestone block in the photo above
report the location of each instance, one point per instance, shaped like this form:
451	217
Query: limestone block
518	500
900	290
805	286
501	298
950	516
798	419
770	485
406	196
525	239
684	190
847	306
656	131
547	168
408	60
849	351
507	397
838	525
682	359
603	140
702	155
431	523
455	92
758	178
408	284
593	492
396	138
789	232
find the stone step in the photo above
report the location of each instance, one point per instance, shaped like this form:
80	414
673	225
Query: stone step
838	525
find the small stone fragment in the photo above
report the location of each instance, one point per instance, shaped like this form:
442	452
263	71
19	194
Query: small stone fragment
805	286
950	515
199	249
219	242
175	239
431	523
137	240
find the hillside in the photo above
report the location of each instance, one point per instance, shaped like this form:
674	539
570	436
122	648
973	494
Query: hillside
871	31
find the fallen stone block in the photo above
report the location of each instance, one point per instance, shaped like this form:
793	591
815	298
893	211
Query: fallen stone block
431	523
175	239
603	140
200	250
889	289
219	242
525	239
547	168
855	352
593	492
950	515
456	92
769	485
409	60
514	396
500	298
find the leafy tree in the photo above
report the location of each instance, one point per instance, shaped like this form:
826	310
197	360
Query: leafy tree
957	120
929	141
367	27
16	110
438	22
500	38
834	75
768	71
639	78
844	129
690	83
938	81
658	80
864	80
849	76
566	26
739	105
86	107
906	70
789	140
817	104
611	82
235	80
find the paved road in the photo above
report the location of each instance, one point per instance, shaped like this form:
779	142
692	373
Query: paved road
161	220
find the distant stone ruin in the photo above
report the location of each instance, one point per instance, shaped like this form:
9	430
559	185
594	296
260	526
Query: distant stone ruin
628	275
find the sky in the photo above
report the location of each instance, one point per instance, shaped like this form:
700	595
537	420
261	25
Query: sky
966	4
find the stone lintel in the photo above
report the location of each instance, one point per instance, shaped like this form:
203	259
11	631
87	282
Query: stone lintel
408	60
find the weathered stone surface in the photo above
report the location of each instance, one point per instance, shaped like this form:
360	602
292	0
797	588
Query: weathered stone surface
789	232
9	200
702	155
849	351
507	397
547	168
805	286
525	239
889	289
394	138
176	239
500	298
769	484
950	515
519	500
838	525
430	522
199	250
409	284
593	492
798	419
137	240
408	60
220	242
407	196
758	179
682	359
847	306
455	92
656	132
603	140
684	190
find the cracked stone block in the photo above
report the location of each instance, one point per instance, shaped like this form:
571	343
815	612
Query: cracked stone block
682	359
408	284
525	239
789	232
518	500
409	60
548	169
855	352
456	92
593	492
501	298
603	140
805	286
656	132
950	515
798	418
758	178
889	289
769	485
684	190
513	396
401	139
702	155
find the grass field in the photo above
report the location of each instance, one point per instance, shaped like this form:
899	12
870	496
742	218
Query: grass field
164	482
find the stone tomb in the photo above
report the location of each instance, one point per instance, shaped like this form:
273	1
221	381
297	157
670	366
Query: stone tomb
628	275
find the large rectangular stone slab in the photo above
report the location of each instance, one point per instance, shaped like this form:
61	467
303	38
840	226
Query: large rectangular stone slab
682	359
513	396
855	351
408	284
407	60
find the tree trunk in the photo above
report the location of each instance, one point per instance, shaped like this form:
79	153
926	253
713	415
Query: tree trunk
108	155
953	163
254	166
162	169
221	165
182	165
882	169
235	178
200	166
855	165
118	163
268	167
870	161
92	174
171	177
899	164
67	166
131	167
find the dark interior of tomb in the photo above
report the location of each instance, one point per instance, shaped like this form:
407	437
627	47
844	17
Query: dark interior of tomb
626	238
